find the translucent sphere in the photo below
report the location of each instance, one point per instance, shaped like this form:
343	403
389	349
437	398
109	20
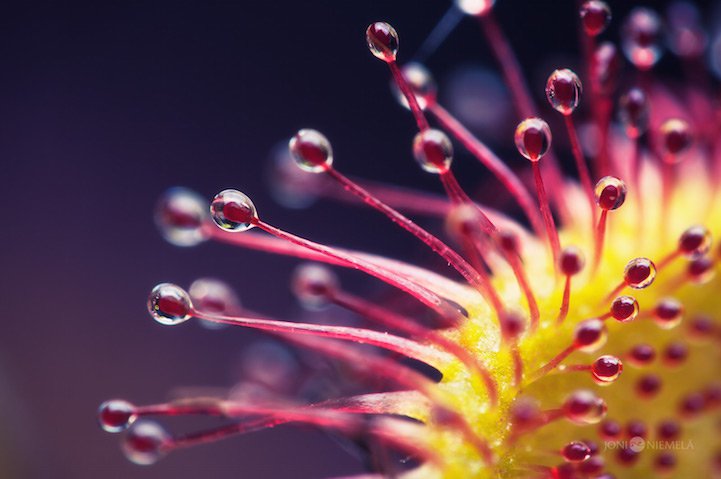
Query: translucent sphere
422	84
214	296
584	407
563	90
695	241
624	309
575	452
610	193
169	304
595	17
571	261
606	369
676	138
633	112
641	38
607	64
639	273
475	7
433	151
313	284
145	443
233	211
116	415
590	335
180	215
533	138
311	151
382	41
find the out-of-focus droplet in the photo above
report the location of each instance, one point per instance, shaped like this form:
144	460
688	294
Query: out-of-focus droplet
676	138
607	65
433	151
145	443
289	185
420	81
180	215
314	284
595	16
475	7
634	112
641	38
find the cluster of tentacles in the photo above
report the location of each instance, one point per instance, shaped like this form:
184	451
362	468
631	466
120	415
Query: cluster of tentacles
580	341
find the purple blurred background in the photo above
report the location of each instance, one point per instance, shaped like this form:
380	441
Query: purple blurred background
104	106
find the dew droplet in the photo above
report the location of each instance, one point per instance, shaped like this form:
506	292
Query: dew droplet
382	41
607	64
475	7
311	151
610	193
169	304
595	17
433	151
233	211
641	355
701	270
422	84
648	385
563	90
214	296
575	451
584	407
571	261
590	335
675	353
624	309
668	313
639	273
314	285
695	241
146	443
641	38
633	112
116	415
533	138
606	369
180	215
676	138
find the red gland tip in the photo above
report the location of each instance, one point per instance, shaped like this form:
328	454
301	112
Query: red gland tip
668	313
533	138
695	241
169	304
433	151
676	138
116	415
311	151
571	261
606	369
610	193
563	90
575	451
314	285
624	309
584	407
233	211
590	335
595	17
382	41
639	273
634	112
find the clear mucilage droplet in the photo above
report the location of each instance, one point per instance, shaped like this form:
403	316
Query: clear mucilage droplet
563	90
433	151
180	215
533	138
145	443
311	151
641	38
169	304
382	41
233	211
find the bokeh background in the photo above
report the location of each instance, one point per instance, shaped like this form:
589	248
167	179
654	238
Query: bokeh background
104	105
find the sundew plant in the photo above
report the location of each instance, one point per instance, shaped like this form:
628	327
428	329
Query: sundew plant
575	339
